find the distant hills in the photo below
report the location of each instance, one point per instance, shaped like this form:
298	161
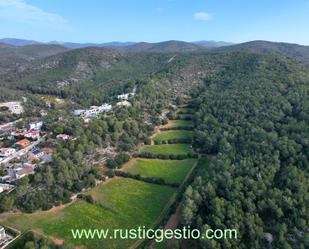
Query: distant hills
213	44
14	58
17	55
132	46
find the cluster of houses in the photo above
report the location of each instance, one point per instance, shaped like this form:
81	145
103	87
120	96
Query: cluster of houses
93	111
21	158
125	97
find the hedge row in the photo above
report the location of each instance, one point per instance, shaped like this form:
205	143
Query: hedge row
188	128
186	112
148	179
184	118
165	157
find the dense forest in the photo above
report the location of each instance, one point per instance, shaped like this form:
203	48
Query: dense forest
254	118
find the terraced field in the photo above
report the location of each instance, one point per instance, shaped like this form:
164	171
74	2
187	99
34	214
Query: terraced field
175	124
186	116
172	171
173	134
168	149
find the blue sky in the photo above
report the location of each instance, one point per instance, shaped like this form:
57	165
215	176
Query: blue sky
155	20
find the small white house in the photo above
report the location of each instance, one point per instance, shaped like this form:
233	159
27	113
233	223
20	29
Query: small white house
78	112
36	125
124	96
63	136
105	108
4	152
1	189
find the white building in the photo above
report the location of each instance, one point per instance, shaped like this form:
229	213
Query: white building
124	96
36	125
124	103
4	152
93	111
78	112
14	107
105	108
1	189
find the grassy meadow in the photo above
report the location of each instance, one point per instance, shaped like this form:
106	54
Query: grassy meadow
172	171
168	149
120	203
173	134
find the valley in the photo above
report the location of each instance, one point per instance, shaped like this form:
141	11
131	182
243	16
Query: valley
160	135
121	201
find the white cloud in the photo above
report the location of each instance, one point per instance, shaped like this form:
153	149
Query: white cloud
202	16
20	11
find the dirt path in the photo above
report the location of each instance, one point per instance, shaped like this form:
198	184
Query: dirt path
174	220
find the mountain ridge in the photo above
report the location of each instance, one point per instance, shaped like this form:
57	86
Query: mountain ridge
112	44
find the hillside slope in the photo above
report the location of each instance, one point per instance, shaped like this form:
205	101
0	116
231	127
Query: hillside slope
295	51
253	117
15	59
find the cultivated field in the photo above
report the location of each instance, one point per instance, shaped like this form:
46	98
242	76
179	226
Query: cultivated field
172	171
120	203
168	149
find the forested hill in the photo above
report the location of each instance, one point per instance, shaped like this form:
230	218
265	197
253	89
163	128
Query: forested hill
254	117
90	75
85	74
15	59
162	47
294	51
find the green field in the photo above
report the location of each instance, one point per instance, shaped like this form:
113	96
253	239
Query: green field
172	171
173	134
121	203
180	123
168	149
